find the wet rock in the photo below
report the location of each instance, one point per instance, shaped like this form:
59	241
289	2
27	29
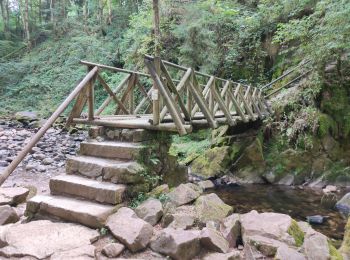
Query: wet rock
8	215
129	229
316	219
113	249
235	255
185	193
13	196
84	253
150	211
316	246
271	225
176	243
205	185
214	240
286	180
41	239
231	229
343	205
286	253
211	207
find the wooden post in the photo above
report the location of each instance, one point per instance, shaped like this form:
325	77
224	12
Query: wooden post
155	92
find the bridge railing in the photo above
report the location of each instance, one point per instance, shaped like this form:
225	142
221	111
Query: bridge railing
170	104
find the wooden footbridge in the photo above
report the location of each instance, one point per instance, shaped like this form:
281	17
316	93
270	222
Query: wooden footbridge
169	97
194	100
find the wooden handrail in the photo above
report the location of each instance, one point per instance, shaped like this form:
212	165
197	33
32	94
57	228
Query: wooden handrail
35	139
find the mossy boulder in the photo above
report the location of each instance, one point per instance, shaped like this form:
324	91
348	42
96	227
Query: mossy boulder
211	208
215	161
345	246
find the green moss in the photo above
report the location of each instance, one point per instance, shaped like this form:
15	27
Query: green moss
326	125
295	231
335	255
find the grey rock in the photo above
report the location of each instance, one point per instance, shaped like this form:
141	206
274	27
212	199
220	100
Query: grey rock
286	253
343	205
214	240
316	246
185	193
129	229
231	229
8	215
150	211
113	249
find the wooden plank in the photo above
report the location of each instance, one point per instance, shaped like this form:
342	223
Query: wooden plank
255	104
246	106
168	99
222	94
111	94
237	106
91	100
78	106
205	92
110	98
143	101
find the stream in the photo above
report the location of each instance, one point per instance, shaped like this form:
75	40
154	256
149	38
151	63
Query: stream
296	202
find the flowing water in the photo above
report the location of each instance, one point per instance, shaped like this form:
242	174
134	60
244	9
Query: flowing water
296	202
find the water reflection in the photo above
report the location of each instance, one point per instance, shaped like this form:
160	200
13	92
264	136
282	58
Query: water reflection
298	203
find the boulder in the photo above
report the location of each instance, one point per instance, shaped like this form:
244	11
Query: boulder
8	215
185	193
316	246
41	239
205	185
234	255
150	211
176	243
174	174
182	217
81	253
129	229
113	249
13	196
267	246
286	253
231	229
213	163
213	240
26	116
270	225
211	207
343	205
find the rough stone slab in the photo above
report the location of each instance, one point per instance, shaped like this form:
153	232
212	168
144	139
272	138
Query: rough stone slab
267	246
177	243
84	212
8	215
114	170
214	240
13	195
113	249
109	149
41	239
185	193
286	253
150	211
230	227
271	225
86	252
129	229
103	192
316	246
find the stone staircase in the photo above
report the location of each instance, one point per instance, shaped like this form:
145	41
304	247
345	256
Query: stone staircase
97	180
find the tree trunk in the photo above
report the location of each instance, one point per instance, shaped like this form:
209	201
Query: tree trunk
109	12
4	13
156	28
26	24
52	14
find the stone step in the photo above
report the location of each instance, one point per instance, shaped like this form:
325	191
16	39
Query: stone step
87	213
116	171
89	189
111	149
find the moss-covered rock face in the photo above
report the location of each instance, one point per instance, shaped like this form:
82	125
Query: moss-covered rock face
214	162
295	231
345	247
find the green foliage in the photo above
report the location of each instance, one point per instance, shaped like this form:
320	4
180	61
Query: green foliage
189	147
334	253
326	125
135	202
